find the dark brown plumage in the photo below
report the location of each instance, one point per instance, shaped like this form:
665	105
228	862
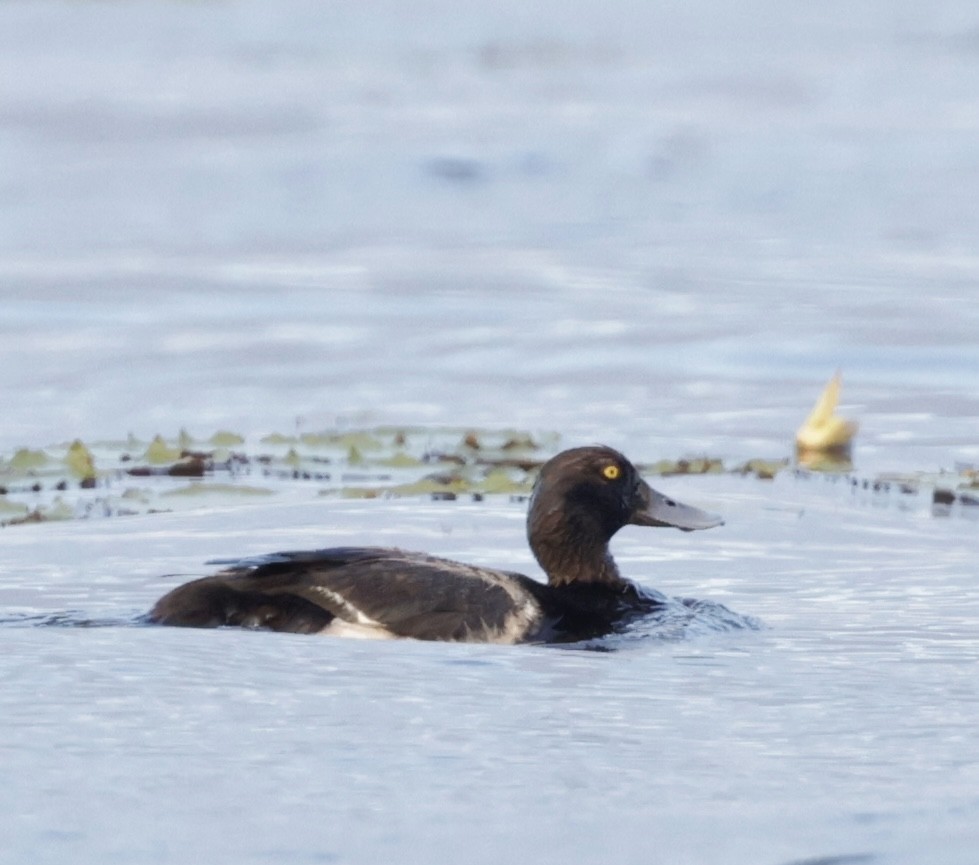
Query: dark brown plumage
581	499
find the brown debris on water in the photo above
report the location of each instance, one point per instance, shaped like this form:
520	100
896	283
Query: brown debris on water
57	510
520	441
528	464
187	465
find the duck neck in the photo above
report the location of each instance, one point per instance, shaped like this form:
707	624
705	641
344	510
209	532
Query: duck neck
569	563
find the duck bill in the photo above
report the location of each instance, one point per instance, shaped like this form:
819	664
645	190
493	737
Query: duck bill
652	508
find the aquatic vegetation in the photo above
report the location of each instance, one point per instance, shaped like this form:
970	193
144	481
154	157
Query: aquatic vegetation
127	476
8	508
135	476
80	462
56	510
695	466
762	469
225	439
25	460
159	452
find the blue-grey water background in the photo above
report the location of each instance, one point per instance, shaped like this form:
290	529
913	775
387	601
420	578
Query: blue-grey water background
661	226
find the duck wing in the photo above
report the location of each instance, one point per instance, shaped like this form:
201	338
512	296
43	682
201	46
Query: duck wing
396	592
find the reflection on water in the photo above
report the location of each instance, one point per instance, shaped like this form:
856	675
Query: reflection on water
838	461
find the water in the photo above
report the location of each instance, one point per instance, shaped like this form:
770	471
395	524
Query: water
844	727
662	228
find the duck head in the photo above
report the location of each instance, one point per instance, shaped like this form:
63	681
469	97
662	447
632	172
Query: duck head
582	497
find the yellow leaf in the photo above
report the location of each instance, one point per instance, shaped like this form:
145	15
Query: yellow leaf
159	452
824	430
80	461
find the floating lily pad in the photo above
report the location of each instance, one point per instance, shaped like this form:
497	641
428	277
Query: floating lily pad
57	510
225	439
279	439
431	484
356	492
764	470
159	452
25	460
8	507
696	466
400	460
361	440
500	481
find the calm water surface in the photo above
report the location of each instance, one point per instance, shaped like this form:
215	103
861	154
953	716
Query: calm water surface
662	228
845	726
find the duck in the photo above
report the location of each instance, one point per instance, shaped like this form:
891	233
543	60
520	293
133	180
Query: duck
580	499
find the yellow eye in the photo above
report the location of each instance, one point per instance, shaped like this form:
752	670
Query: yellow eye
612	472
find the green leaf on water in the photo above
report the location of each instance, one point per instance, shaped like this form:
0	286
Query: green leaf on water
80	461
695	466
59	509
278	439
25	460
764	470
159	452
225	439
431	485
500	481
400	460
356	492
362	440
8	507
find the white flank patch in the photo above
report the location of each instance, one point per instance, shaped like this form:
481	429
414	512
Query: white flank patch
522	620
351	630
518	624
350	621
345	612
